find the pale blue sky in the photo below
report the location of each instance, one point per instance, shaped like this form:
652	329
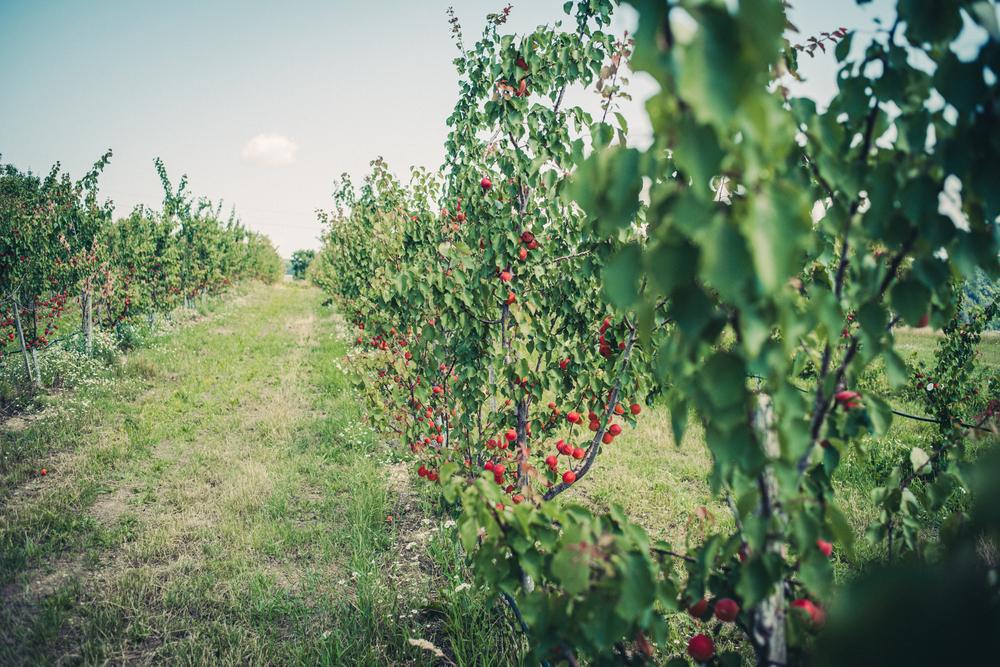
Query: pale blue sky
193	81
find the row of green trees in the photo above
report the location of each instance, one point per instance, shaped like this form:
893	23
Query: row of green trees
515	315
60	244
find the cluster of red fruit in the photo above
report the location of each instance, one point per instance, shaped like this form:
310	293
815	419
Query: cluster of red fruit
605	347
701	647
430	475
847	399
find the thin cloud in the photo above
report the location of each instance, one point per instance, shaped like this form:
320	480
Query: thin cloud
270	150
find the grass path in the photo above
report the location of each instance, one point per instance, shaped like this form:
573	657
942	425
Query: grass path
228	509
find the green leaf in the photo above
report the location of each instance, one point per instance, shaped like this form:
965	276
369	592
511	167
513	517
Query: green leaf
756	580
638	588
678	419
879	412
777	231
726	260
895	368
691	309
698	154
816	572
938	21
919	459
724	379
671	262
841	528
571	569
910	299
622	275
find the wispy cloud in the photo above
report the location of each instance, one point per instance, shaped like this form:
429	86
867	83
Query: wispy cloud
270	149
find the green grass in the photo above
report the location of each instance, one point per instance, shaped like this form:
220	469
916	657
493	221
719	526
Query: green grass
218	498
220	501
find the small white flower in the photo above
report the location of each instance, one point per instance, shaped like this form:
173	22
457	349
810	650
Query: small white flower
930	386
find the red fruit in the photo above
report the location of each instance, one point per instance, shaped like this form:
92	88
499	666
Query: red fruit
432	475
847	399
552	405
619	410
569	477
437	390
517	498
489	466
826	548
551	461
635	408
486	183
701	648
573	417
521	63
499	469
407	355
511	435
44	472
505	276
594	426
460	217
607	438
615	430
726	610
564	363
699	608
439	439
816	614
511	298
522	254
422	471
578	453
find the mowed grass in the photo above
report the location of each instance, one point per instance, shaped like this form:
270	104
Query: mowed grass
220	500
224	504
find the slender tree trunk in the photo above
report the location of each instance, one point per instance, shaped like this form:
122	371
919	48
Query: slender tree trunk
21	340
768	622
87	308
34	353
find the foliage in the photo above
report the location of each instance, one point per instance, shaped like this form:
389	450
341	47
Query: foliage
57	241
780	245
299	263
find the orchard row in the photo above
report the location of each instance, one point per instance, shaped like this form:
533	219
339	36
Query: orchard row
60	245
516	312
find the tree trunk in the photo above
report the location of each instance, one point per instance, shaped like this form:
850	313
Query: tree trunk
21	340
87	313
767	631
